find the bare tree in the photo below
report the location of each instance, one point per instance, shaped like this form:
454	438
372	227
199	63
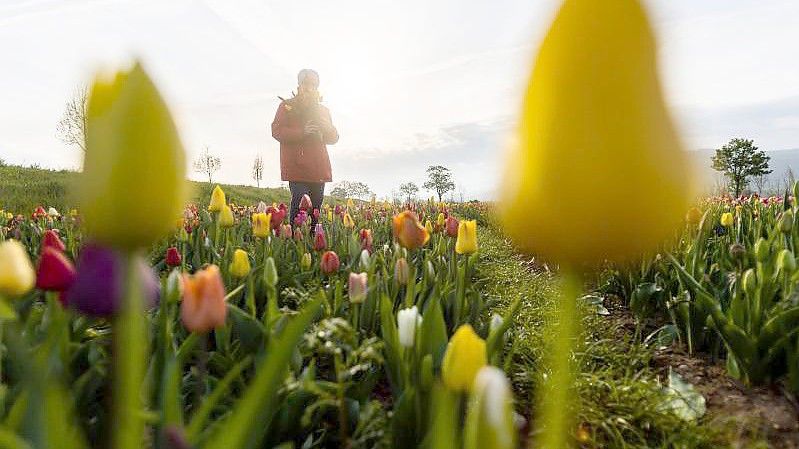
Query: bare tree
71	128
760	183
207	164
258	170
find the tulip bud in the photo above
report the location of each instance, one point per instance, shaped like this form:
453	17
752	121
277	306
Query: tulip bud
183	236
52	240
100	282
451	226
54	272
428	226
261	208
489	420
786	222
364	259
594	108
305	203
496	322
401	271
240	266
357	287
407	322
298	235
306	261
226	219
762	250
786	262
285	231
270	272
320	242
52	212
174	286
365	236
749	282
727	219
16	270
203	307
431	271
134	178
329	262
218	200
426	371
173	258
408	231
348	222
465	355
261	225
467	237
441	220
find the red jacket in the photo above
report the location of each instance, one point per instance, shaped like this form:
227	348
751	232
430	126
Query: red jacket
303	157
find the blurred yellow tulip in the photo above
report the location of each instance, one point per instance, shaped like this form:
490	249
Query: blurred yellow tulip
240	266
17	276
261	224
465	355
347	220
597	171
727	219
226	217
467	237
134	177
218	200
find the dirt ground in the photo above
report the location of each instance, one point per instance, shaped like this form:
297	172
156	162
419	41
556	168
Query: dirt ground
768	412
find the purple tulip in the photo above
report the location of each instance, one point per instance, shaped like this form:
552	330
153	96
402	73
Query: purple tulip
100	282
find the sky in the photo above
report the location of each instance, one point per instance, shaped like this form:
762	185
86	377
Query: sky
409	84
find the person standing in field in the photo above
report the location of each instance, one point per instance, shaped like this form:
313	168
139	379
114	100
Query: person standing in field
304	128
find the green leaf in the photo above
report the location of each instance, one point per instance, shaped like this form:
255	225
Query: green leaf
682	399
200	417
246	425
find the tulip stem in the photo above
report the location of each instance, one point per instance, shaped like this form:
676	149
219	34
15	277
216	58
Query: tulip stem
555	398
130	347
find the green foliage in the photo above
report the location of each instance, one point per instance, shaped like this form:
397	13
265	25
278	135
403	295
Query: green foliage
439	180
22	189
740	160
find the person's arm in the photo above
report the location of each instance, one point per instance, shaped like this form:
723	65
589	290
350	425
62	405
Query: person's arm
329	132
281	130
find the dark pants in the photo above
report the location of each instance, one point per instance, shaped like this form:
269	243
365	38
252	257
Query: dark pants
316	190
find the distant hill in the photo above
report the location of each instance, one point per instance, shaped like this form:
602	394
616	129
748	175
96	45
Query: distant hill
24	188
781	161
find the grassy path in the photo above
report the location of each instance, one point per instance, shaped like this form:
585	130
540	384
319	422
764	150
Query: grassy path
620	399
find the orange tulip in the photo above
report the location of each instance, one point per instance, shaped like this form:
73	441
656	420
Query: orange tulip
203	307
408	231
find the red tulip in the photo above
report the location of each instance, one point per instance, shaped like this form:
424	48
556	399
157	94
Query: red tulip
300	218
282	206
366	239
297	234
451	226
285	231
329	262
55	272
320	242
173	258
52	240
39	212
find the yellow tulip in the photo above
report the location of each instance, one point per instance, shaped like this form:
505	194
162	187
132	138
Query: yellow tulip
226	217
348	222
467	237
465	355
727	219
428	226
17	276
261	224
330	215
597	171
134	177
218	200
350	203
441	220
240	266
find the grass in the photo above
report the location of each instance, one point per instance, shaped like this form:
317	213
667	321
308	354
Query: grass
22	189
620	398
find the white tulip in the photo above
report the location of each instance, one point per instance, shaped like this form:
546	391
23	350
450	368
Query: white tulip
407	320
